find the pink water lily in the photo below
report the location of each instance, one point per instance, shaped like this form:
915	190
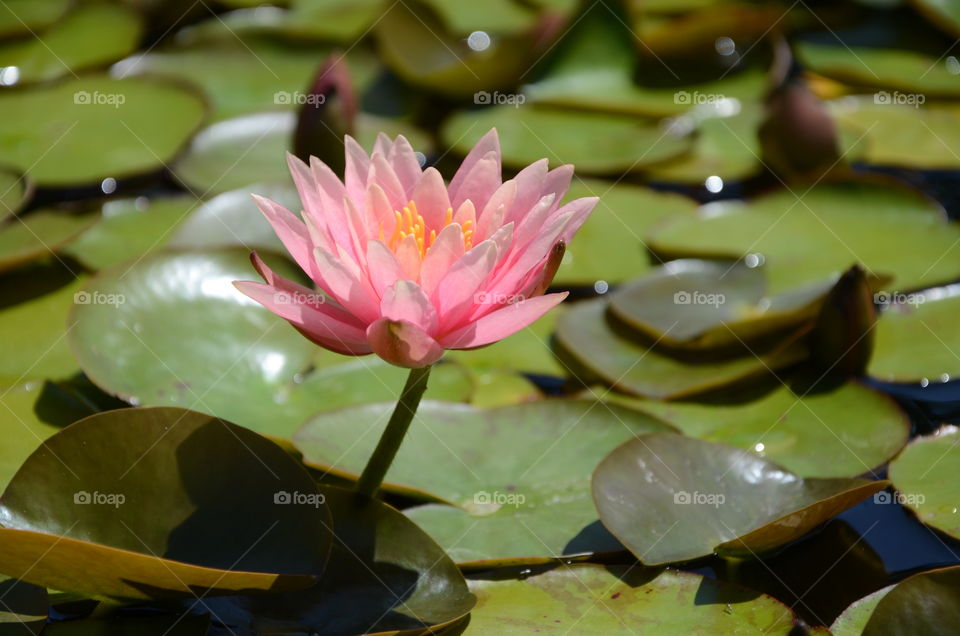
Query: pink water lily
410	266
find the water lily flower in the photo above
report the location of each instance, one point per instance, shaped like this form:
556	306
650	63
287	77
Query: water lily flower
410	266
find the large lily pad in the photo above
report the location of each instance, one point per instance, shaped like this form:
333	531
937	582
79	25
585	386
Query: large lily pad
39	234
15	190
925	603
843	432
87	129
507	504
527	351
144	503
180	334
670	498
916	339
529	133
19	17
384	574
923	475
888	228
609	247
597	601
89	37
853	619
592	351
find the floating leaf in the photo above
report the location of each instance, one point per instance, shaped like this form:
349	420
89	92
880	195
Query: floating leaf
15	190
842	339
925	603
25	17
527	351
593	352
37	235
509	504
855	617
670	498
943	13
923	477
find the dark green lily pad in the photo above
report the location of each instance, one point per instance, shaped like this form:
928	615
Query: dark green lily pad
22	17
593	352
527	351
133	503
853	619
384	574
925	603
530	133
184	336
89	37
507	504
248	150
896	69
693	304
493	387
609	247
888	228
39	234
923	475
943	13
846	431
500	17
49	131
596	601
129	228
15	191
23	607
916	338
670	498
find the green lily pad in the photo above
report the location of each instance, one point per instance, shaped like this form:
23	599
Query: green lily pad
853	619
925	603
385	575
923	477
39	234
693	304
24	17
23	607
889	228
596	601
38	324
501	388
501	17
903	70
134	503
943	13
915	337
849	430
506	504
670	498
126	626
609	247
593	352
129	228
527	351
529	133
901	134
172	330
248	150
90	36
15	191
133	125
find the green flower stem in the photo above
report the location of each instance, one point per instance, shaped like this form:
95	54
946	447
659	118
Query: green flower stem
393	435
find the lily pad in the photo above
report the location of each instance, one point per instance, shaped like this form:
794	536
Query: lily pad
854	618
23	607
506	504
39	234
923	476
90	36
596	601
15	191
846	431
609	247
670	498
501	388
693	304
915	337
593	352
925	603
385	575
133	504
248	150
527	351
529	133
888	228
23	17
943	13
172	330
129	228
134	125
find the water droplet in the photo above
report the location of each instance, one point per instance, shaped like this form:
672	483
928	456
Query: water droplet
754	260
478	41
713	184
924	382
108	185
141	203
945	377
601	287
526	572
759	447
725	46
9	75
953	65
421	158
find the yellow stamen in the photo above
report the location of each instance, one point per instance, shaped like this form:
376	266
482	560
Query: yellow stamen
409	222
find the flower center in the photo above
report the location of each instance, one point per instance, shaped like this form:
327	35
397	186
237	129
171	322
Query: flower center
411	223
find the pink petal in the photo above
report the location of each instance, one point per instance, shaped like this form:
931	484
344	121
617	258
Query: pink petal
430	194
306	186
501	323
383	267
444	252
402	343
481	182
405	164
382	144
530	182
408	255
383	175
557	182
581	208
405	301
455	293
488	143
292	233
491	216
354	293
357	169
